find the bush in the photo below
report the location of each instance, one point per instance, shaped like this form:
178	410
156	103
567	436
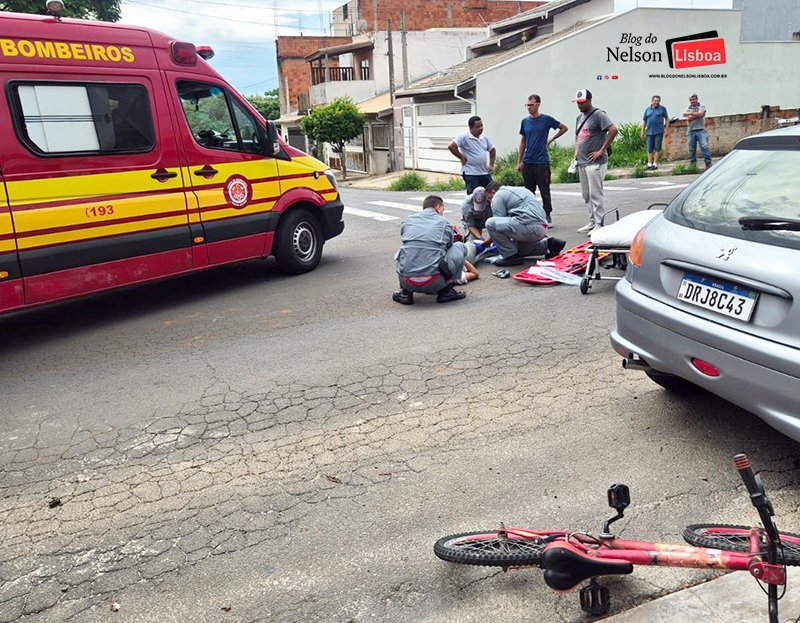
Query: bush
685	169
628	148
453	183
560	159
409	181
638	170
505	170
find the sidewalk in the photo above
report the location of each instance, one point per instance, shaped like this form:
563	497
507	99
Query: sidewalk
381	182
733	598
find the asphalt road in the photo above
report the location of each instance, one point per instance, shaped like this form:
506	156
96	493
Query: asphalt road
241	446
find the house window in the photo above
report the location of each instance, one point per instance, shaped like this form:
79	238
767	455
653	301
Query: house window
344	12
83	118
380	136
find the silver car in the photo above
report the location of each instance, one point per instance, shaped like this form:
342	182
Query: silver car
711	298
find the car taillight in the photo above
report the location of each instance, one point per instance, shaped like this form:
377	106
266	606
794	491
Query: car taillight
637	246
184	53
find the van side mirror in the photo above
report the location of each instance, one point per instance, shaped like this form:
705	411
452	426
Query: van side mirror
273	146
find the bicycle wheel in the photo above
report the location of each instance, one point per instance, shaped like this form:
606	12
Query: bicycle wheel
737	539
488	549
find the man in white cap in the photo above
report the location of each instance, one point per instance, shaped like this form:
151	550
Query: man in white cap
594	133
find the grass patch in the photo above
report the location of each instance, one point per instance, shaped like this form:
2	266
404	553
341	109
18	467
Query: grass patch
453	183
610	176
408	181
414	181
638	170
628	148
683	168
505	170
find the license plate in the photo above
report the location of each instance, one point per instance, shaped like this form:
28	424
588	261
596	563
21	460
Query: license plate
718	296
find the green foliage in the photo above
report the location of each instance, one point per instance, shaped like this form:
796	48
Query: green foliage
505	170
268	104
105	10
335	123
560	159
610	176
414	181
208	113
628	148
685	169
452	183
638	170
409	181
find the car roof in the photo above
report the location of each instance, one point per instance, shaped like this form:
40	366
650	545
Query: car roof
784	137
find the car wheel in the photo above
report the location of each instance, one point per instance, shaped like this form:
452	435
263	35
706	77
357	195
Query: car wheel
298	242
673	383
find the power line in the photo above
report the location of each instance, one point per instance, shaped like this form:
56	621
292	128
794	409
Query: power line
226	19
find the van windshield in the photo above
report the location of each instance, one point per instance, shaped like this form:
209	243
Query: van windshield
747	182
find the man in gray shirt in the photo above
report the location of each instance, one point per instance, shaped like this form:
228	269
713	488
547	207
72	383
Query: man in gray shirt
471	148
695	116
429	260
594	133
518	225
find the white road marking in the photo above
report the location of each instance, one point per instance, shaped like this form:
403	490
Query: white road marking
367	214
667	187
399	206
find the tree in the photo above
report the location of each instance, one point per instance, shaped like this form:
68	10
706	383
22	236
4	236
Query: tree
268	104
335	123
105	10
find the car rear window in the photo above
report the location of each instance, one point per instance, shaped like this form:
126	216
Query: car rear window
747	182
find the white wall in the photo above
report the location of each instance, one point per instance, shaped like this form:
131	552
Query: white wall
358	90
757	74
429	51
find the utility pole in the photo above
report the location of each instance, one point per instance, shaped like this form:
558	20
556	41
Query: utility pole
375	15
404	47
391	92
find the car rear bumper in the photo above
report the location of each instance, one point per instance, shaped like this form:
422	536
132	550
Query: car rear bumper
641	331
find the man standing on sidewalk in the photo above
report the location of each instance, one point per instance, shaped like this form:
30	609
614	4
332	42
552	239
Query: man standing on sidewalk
654	123
471	148
533	161
696	130
594	133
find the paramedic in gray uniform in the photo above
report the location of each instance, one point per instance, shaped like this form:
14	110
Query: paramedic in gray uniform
475	210
428	260
518	225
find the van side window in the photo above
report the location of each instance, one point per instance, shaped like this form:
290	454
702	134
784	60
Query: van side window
217	120
75	118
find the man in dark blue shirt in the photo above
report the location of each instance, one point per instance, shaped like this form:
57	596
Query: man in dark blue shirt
533	161
654	123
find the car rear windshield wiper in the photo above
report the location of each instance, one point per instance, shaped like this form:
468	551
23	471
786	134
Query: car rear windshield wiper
767	222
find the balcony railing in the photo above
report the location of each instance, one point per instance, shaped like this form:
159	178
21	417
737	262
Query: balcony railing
338	74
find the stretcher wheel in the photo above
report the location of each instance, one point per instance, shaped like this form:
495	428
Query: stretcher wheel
585	285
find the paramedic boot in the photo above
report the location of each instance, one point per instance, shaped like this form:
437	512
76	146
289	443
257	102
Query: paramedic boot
444	269
404	297
554	247
450	294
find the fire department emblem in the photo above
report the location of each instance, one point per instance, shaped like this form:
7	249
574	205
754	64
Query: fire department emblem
237	191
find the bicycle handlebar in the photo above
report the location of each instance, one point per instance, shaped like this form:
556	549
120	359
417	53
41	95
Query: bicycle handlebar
757	494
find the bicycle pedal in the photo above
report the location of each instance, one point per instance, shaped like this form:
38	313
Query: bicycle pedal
595	599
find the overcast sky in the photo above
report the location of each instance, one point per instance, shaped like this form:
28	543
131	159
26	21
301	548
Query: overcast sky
242	33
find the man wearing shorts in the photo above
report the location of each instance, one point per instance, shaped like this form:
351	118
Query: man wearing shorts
654	123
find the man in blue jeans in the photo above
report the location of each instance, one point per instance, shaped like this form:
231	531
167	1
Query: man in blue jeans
696	130
471	148
654	123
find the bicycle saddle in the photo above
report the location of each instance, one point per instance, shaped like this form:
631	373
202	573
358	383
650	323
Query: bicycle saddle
566	566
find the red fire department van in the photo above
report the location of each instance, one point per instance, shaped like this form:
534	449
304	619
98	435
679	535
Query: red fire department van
126	158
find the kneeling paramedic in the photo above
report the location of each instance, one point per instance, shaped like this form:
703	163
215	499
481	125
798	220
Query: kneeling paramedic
429	260
518	225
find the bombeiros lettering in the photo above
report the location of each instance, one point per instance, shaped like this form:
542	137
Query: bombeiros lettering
24	48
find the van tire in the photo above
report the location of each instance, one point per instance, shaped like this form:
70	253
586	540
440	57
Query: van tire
298	242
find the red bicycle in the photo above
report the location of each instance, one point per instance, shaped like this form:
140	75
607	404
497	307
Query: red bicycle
570	558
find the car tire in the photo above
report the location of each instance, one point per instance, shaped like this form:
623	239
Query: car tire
672	383
298	242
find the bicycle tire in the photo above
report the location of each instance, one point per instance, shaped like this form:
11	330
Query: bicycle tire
737	539
490	550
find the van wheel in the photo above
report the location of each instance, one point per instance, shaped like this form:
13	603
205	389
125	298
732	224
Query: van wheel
673	383
298	242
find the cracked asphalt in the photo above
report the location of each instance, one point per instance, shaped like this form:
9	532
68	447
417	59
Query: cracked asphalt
241	446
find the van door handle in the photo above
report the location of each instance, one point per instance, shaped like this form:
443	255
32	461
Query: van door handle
206	172
162	175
